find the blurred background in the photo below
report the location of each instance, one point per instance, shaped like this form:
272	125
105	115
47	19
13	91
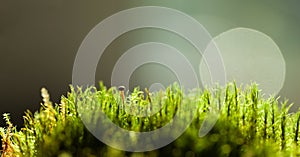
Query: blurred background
39	41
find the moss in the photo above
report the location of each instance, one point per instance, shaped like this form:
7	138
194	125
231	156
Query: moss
248	125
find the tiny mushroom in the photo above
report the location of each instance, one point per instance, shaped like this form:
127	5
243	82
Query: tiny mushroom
121	89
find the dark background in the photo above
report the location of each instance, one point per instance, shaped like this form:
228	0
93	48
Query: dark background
39	40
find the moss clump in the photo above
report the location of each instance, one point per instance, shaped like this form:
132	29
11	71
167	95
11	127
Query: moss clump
248	125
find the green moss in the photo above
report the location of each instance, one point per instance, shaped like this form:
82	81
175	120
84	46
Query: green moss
249	125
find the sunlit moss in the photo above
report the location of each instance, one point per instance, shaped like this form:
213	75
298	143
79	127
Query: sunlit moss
248	125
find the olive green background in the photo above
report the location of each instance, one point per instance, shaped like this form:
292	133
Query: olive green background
39	40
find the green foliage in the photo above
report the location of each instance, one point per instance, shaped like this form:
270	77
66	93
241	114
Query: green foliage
248	125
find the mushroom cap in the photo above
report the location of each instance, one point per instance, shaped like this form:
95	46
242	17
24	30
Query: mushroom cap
121	88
